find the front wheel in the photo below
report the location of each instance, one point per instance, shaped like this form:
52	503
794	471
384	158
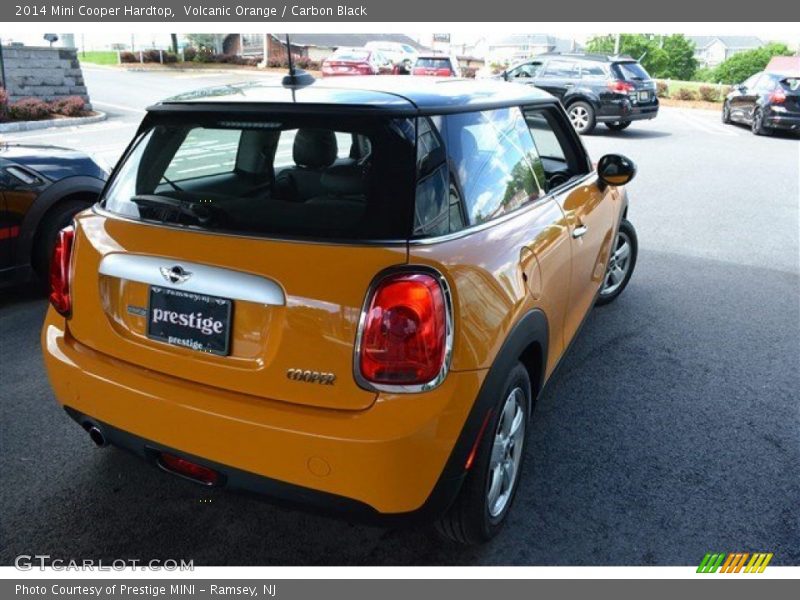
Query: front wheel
582	116
620	264
485	499
618	125
726	112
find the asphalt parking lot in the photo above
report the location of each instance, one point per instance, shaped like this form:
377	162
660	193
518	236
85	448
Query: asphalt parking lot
672	428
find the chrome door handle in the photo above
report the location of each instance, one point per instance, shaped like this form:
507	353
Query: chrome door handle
579	231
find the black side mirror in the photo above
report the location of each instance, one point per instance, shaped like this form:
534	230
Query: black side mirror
506	76
615	169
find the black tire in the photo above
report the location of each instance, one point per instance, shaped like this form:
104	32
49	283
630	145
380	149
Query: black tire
576	112
58	217
757	126
726	113
469	520
628	234
618	125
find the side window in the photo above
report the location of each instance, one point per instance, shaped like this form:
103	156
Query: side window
204	152
559	157
751	81
766	83
433	213
593	71
526	71
491	154
561	69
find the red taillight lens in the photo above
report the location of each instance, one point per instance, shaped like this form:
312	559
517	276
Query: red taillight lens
60	272
405	331
184	467
623	87
777	97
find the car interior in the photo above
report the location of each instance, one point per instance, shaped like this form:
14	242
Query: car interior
287	179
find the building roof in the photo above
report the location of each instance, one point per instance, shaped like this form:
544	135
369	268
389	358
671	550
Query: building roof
406	95
531	39
348	40
730	41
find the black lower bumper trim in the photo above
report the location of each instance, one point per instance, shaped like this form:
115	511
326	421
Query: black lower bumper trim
281	492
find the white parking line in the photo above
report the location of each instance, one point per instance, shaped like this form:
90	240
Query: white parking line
705	125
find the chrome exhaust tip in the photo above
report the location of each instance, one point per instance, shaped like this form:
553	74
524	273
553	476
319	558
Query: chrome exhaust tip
97	436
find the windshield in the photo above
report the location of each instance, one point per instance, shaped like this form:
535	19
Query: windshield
351	55
433	63
632	71
298	176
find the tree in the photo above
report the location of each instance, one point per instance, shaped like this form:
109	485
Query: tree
741	66
662	56
174	42
680	60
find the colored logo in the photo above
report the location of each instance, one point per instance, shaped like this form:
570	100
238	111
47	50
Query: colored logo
734	562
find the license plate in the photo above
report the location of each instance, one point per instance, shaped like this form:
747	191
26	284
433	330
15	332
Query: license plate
194	321
643	96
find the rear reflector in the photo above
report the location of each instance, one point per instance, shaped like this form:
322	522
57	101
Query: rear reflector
60	274
405	331
188	469
777	97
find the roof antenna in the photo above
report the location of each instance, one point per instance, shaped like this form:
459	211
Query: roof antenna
296	77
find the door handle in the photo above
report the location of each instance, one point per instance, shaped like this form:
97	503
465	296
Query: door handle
579	231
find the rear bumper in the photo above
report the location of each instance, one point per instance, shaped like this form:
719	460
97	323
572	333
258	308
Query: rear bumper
786	121
624	110
393	461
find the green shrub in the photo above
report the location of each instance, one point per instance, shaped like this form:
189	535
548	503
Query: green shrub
662	89
128	57
686	94
189	53
29	109
70	106
3	105
709	93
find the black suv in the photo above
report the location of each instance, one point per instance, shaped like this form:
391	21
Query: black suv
594	88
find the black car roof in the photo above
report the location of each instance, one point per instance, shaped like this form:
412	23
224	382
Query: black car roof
609	58
375	94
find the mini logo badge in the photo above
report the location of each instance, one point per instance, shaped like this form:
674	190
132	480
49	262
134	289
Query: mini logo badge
176	274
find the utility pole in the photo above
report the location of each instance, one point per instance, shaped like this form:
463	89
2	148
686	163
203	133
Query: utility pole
616	44
2	68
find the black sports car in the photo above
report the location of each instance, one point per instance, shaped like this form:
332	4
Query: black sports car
766	101
41	189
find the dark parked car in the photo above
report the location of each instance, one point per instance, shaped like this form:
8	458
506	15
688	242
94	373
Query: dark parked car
766	102
356	61
41	189
436	65
594	88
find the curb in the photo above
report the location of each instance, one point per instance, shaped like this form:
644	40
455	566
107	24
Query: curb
47	123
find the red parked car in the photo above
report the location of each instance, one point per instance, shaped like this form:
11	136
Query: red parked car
356	61
436	65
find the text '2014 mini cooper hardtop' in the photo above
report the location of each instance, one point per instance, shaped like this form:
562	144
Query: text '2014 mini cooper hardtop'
347	294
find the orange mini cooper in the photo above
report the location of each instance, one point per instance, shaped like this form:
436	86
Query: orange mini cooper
343	294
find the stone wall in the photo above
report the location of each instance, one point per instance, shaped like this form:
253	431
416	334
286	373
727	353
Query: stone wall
45	73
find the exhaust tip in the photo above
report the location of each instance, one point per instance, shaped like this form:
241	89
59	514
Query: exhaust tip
97	436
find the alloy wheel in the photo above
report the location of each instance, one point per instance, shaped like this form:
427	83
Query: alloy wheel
579	117
506	453
619	263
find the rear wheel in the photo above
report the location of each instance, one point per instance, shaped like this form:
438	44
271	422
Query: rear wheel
582	116
484	502
58	217
620	264
618	125
726	112
757	126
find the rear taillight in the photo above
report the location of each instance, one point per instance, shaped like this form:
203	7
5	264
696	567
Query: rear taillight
406	333
60	274
777	97
444	73
623	87
418	71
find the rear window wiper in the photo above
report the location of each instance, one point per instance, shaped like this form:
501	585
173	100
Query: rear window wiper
202	214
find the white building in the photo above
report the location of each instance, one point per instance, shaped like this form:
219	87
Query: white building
711	50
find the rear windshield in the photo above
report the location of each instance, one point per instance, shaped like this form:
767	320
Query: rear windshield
433	63
353	55
791	84
298	176
632	71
